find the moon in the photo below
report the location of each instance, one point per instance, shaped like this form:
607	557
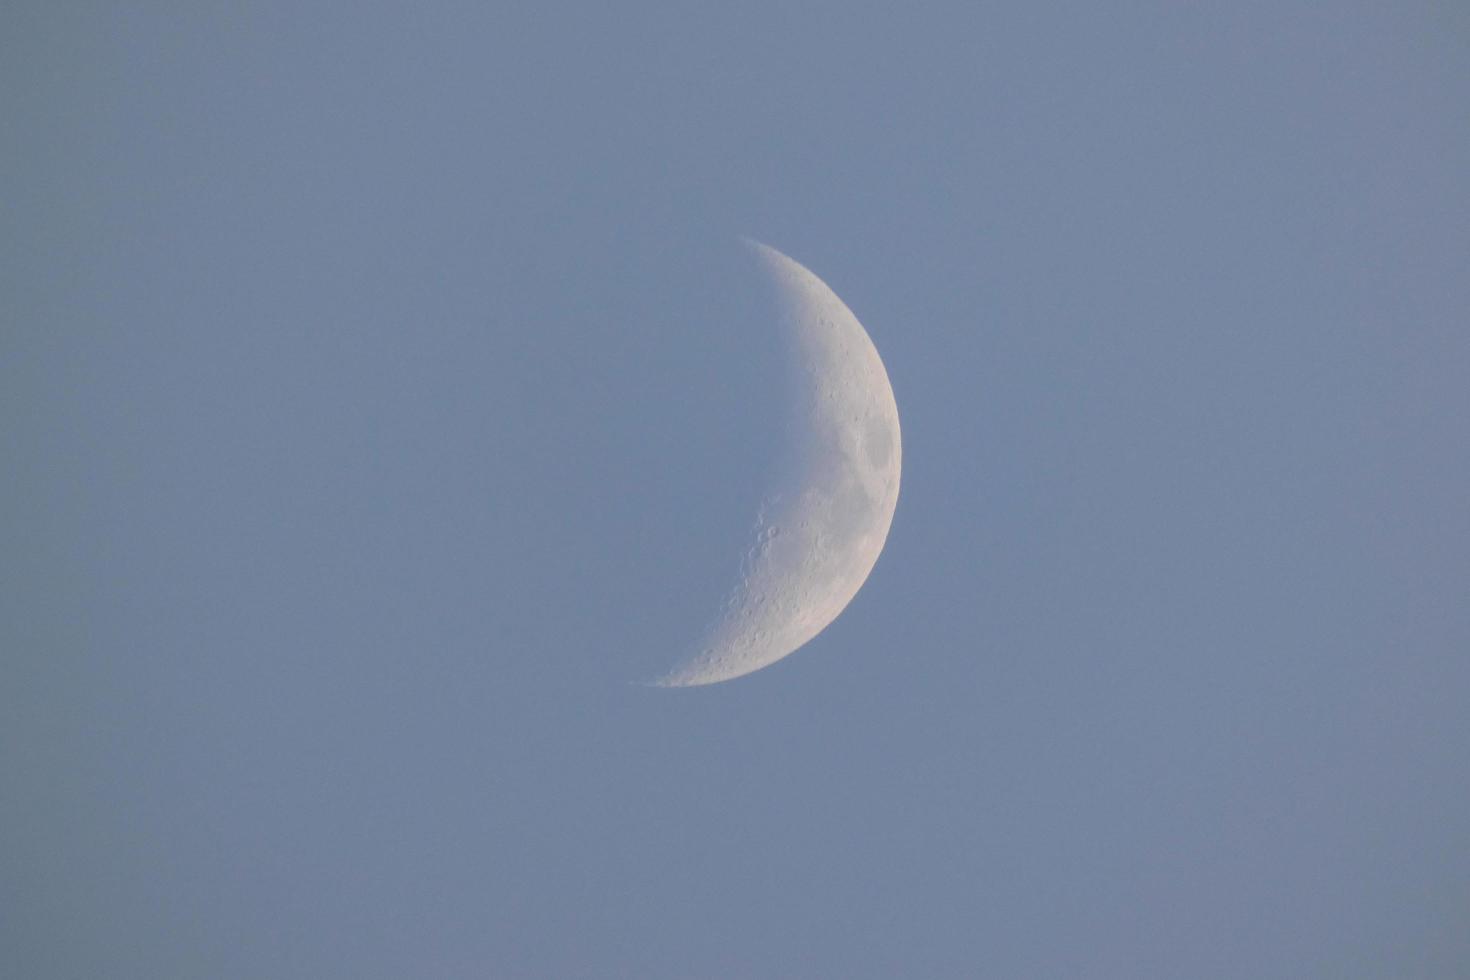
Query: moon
820	529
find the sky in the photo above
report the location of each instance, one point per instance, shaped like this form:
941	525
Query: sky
382	389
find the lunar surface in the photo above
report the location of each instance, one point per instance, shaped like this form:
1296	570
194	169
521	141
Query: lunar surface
820	529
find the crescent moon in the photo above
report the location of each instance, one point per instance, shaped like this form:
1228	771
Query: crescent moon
819	532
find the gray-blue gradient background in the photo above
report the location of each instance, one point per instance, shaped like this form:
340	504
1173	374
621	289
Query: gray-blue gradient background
381	389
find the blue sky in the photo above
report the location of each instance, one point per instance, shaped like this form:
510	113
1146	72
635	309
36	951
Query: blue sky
382	389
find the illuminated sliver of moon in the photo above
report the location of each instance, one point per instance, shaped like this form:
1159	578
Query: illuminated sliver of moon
820	531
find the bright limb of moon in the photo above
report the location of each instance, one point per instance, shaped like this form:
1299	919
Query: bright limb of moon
820	530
